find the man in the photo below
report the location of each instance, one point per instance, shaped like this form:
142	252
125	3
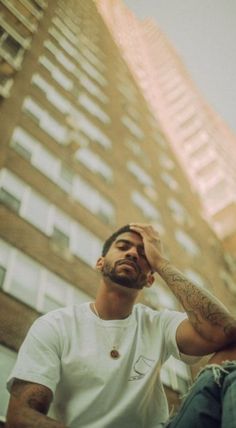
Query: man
99	362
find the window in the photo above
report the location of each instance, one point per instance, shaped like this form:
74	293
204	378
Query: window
91	87
93	58
23	143
63	176
66	178
68	17
91	130
91	70
60	238
148	210
134	147
69	49
178	211
7	362
140	174
195	277
11	50
93	200
27	19
65	30
132	127
57	74
59	55
45	162
88	42
15	28
46	121
52	95
24	280
93	108
86	245
94	163
80	296
59	292
33	284
176	375
11	190
36	210
55	294
187	243
166	162
2	275
32	150
158	297
61	229
128	91
9	200
5	81
169	180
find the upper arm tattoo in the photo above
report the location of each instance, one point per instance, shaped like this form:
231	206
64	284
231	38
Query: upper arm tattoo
33	395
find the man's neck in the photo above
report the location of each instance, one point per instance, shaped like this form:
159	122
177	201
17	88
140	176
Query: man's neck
114	301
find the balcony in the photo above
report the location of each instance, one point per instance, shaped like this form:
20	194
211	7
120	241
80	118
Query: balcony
29	6
28	21
11	50
24	42
5	86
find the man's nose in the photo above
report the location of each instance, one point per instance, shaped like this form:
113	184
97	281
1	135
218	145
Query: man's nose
132	253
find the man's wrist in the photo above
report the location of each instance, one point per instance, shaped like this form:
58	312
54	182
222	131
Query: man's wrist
160	265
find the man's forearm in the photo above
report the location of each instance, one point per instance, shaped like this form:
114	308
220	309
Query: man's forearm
207	315
30	418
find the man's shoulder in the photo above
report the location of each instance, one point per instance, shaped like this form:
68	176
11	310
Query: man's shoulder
67	313
143	311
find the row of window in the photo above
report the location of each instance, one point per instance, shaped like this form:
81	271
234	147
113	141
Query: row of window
30	282
62	33
13	191
53	168
66	233
62	135
63	105
71	66
83	99
94	109
18	20
72	22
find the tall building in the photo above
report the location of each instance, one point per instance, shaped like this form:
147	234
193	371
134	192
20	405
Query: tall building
81	154
201	140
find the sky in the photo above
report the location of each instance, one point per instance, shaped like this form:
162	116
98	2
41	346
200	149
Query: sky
204	34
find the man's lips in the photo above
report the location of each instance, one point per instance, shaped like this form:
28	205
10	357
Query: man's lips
128	263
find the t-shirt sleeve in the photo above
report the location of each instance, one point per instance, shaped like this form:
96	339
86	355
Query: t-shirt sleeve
171	320
39	356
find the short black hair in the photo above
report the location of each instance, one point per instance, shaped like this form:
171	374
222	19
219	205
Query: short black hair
107	244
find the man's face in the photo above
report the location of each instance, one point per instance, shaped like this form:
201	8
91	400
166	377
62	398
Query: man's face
125	262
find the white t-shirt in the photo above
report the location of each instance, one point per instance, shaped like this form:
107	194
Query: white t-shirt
68	350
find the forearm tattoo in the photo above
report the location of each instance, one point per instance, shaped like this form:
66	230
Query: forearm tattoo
202	308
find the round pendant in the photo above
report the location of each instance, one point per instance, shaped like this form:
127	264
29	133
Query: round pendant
114	354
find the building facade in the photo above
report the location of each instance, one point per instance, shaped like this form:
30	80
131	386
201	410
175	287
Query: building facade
82	154
203	143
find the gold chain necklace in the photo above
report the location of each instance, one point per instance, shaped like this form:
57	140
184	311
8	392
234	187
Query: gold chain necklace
114	353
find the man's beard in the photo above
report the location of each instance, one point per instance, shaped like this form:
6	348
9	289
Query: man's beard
137	282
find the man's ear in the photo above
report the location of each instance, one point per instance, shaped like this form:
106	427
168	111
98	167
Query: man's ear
100	264
150	280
